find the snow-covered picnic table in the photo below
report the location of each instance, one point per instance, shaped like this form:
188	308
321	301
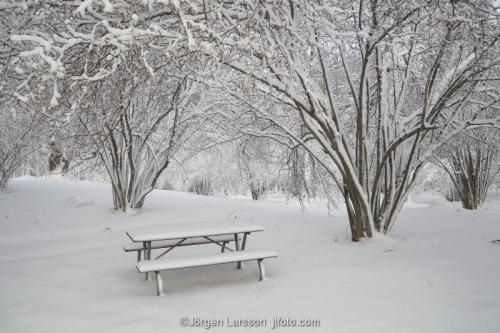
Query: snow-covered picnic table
170	236
189	230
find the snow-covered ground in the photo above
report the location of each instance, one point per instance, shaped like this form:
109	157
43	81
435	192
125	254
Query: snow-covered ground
62	268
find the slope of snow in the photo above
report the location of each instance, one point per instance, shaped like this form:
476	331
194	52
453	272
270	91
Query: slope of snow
63	268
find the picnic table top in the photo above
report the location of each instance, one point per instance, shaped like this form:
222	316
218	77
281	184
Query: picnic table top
188	230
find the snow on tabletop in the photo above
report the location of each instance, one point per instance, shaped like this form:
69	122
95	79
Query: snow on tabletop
183	230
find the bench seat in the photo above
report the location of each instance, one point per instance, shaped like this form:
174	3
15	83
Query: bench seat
158	265
204	260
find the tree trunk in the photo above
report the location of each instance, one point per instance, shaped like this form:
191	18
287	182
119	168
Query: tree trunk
360	220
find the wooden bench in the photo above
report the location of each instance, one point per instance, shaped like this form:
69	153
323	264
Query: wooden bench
158	265
221	240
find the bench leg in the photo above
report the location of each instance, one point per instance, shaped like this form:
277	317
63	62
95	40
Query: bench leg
159	284
138	255
223	247
262	269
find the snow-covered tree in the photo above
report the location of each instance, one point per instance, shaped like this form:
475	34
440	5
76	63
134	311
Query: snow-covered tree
379	86
136	124
472	162
121	98
22	131
19	137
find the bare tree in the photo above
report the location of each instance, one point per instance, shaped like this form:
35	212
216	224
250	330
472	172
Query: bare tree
379	86
120	96
257	161
472	167
19	137
22	130
137	127
379	89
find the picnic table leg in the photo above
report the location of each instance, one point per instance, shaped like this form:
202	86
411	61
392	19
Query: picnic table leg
237	247
244	242
159	283
138	255
144	251
262	269
223	247
147	255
